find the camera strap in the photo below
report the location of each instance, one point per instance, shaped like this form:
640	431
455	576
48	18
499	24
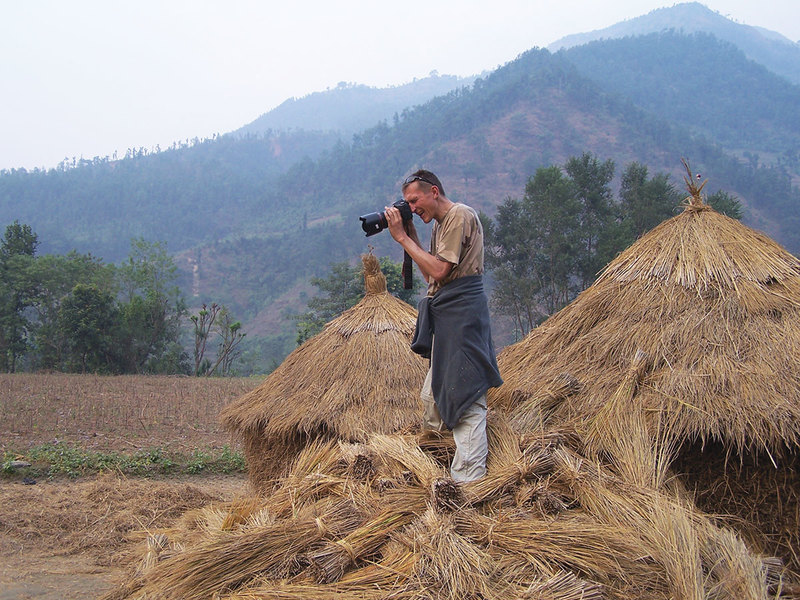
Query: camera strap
408	271
408	265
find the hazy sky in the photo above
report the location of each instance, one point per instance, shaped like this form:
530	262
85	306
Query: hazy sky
88	77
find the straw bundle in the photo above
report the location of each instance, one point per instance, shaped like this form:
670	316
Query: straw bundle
356	377
531	413
329	562
717	307
327	533
449	564
275	550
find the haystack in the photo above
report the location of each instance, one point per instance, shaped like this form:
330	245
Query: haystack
403	530
358	376
694	333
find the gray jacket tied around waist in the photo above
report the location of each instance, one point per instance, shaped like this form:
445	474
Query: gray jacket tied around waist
463	362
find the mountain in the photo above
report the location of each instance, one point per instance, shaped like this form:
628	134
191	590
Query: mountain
252	217
349	108
701	83
771	49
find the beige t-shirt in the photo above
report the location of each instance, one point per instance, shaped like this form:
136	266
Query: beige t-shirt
458	239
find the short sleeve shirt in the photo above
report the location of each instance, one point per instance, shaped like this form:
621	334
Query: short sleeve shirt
458	239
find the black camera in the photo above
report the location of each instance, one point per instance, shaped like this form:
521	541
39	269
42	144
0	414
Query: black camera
376	222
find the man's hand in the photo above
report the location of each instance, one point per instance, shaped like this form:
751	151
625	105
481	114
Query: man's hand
395	221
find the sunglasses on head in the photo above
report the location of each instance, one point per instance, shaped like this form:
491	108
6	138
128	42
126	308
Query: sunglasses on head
412	178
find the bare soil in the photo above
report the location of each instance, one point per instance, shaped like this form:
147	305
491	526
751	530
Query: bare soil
68	538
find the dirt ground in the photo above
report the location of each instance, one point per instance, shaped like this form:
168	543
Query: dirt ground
78	538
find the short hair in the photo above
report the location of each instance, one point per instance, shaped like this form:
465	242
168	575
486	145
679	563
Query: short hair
426	178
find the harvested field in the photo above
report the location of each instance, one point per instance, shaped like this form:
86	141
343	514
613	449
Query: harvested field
63	538
115	413
71	538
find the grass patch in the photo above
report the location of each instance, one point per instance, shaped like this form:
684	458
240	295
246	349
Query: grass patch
51	459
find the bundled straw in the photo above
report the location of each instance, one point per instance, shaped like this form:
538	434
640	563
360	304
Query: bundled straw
326	533
333	558
358	376
532	414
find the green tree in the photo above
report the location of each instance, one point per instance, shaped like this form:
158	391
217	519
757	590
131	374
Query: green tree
151	310
17	251
533	247
645	202
230	337
726	203
592	180
88	318
203	321
53	277
515	292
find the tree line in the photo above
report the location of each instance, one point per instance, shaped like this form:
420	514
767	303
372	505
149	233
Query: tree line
548	246
73	313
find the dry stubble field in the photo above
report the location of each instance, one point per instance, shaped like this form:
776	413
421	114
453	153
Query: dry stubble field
72	537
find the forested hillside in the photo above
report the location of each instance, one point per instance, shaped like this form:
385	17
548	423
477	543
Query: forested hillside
703	84
186	195
251	219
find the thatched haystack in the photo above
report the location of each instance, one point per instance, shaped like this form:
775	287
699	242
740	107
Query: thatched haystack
693	334
358	376
388	533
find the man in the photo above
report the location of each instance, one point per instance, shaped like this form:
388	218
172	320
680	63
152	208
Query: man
453	323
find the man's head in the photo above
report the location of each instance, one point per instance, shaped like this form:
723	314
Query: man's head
425	179
425	195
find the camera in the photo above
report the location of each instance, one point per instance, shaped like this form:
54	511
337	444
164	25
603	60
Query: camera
376	222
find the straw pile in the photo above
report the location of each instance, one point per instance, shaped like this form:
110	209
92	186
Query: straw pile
358	376
390	534
694	331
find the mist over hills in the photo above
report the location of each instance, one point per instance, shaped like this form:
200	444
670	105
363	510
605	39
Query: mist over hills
350	108
252	215
771	49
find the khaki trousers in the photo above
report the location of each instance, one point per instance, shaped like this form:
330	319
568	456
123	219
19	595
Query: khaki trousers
469	462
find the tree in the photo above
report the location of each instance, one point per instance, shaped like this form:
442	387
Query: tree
231	335
88	318
203	321
515	290
645	202
17	250
532	248
726	203
150	311
592	180
52	279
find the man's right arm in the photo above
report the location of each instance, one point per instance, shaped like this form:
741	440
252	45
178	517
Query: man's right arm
431	267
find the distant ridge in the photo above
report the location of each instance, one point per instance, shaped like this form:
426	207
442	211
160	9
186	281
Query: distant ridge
771	49
349	108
